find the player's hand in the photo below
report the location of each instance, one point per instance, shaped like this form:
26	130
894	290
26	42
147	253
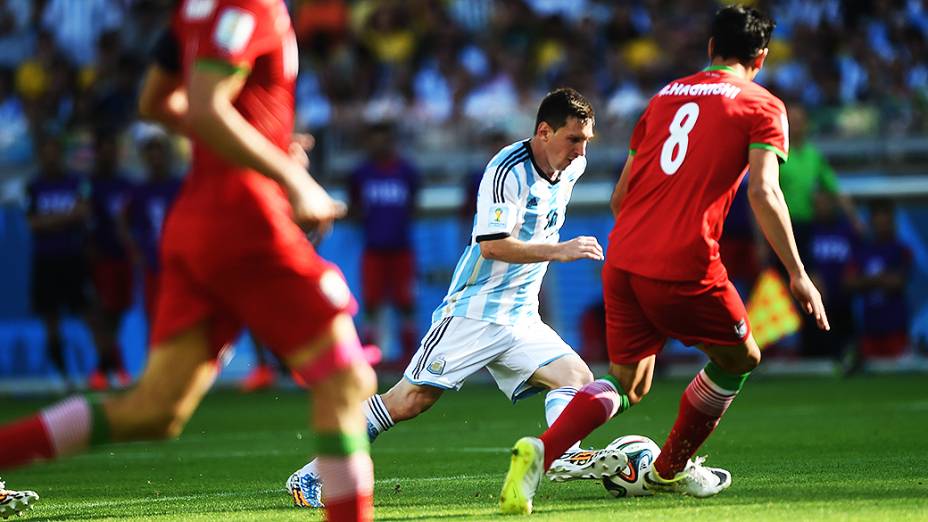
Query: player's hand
313	209
300	145
581	247
809	299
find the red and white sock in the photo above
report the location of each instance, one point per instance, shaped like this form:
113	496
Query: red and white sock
349	487
62	429
702	406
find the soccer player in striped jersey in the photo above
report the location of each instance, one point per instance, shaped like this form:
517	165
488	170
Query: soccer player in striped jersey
489	318
663	275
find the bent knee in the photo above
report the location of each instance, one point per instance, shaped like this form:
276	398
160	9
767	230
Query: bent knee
746	363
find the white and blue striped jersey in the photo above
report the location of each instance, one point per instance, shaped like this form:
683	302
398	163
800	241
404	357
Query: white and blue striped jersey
514	199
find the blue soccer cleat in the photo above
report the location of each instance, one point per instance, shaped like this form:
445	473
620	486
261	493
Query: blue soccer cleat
305	487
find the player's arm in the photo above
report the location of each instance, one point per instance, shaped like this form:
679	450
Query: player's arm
213	119
773	217
511	250
163	98
621	187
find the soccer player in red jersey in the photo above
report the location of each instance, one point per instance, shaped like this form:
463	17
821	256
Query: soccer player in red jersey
663	276
233	254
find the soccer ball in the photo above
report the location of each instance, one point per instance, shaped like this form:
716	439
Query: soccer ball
641	452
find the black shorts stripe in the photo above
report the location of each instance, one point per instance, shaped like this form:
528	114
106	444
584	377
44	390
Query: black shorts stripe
428	342
502	170
440	331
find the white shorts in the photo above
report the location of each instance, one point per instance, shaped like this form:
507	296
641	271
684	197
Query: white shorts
456	347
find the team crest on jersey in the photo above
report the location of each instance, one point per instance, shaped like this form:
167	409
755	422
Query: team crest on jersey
741	329
437	367
498	216
233	30
334	289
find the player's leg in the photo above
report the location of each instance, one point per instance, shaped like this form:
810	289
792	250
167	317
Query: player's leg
374	280
178	373
404	263
563	378
452	349
632	342
704	402
339	377
715	319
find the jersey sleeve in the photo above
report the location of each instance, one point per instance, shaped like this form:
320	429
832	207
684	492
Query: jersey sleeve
238	33
499	204
769	128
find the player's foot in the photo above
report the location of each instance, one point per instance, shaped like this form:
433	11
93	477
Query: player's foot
98	381
15	502
305	487
525	469
260	378
695	480
587	464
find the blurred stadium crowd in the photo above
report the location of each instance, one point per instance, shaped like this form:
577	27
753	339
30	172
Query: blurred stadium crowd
452	74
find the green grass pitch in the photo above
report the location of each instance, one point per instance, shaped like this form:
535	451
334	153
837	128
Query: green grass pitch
798	449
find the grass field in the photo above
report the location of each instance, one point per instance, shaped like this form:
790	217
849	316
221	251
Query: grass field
799	449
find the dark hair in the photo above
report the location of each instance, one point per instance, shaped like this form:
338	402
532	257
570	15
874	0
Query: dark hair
561	104
740	32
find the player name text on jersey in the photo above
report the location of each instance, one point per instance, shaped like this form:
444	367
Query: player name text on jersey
700	89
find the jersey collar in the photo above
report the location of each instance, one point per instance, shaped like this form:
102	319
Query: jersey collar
719	68
528	146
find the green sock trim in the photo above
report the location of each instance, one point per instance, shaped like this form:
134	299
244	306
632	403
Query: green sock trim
342	444
99	424
623	397
725	380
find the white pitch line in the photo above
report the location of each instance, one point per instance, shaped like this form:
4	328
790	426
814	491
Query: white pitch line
281	491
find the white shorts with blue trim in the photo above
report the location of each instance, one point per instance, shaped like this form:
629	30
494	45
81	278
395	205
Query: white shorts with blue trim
456	347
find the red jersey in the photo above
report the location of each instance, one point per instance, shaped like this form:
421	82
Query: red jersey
690	152
252	37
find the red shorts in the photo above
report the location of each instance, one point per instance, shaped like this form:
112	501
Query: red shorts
228	273
388	276
887	346
641	313
112	281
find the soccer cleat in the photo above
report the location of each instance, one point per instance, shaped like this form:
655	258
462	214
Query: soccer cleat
587	464
15	502
695	480
525	470
305	488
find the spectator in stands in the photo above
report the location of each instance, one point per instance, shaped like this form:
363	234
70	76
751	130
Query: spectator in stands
879	275
76	25
58	210
383	191
832	241
110	267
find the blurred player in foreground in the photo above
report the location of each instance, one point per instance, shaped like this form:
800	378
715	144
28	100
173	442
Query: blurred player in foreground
233	254
663	276
489	319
